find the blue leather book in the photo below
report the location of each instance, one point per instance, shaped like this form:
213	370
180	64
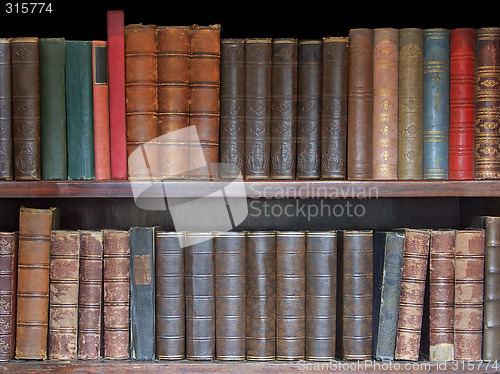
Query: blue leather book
436	103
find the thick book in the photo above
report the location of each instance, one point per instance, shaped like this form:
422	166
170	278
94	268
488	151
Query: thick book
79	110
436	103
6	151
53	108
35	227
63	298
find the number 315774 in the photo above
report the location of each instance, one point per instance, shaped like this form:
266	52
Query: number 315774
28	8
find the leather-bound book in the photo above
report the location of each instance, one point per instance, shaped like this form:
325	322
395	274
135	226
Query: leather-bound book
441	294
387	262
334	107
469	282
90	295
290	295
53	108
357	303
487	93
385	103
258	67
321	294
411	104
360	105
80	110
142	293
35	226
172	48
141	99
8	288
170	297
462	86
232	108
284	108
261	296
116	294
309	109
436	103
411	297
26	108
6	152
63	302
230	297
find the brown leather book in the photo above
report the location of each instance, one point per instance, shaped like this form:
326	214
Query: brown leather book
261	296
360	105
6	155
204	101
26	108
35	226
411	297
334	108
116	294
385	103
441	294
230	298
8	287
90	295
283	108
469	281
141	100
63	299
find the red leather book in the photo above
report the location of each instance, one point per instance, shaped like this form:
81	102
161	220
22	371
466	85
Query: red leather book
462	83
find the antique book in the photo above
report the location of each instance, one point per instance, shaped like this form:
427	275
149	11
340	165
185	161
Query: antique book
53	108
283	108
469	287
204	88
200	295
388	249
436	103
8	288
309	109
90	295
441	294
26	108
170	301
410	104
172	54
462	86
142	293
487	93
411	297
141	99
115	29
334	107
116	294
360	105
6	151
261	296
101	109
230	297
290	295
63	297
321	295
35	227
232	108
385	103
79	110
258	67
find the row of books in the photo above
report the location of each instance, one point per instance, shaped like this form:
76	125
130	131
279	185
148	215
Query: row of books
147	294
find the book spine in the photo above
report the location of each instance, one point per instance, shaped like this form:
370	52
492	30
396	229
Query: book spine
385	103
283	108
487	100
230	298
436	103
360	105
6	152
63	303
334	107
